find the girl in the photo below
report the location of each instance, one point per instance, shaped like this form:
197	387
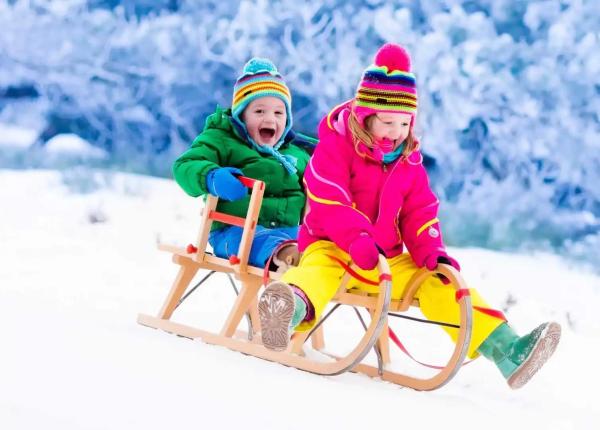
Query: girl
253	138
368	193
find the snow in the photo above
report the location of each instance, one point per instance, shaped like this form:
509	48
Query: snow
12	136
70	144
79	265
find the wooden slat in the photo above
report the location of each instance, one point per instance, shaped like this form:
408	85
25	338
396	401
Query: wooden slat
184	277
226	218
241	306
211	262
205	225
250	222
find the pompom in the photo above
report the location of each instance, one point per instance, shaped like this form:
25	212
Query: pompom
256	64
394	57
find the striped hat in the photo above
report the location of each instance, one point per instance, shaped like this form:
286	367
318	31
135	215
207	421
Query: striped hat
260	78
387	85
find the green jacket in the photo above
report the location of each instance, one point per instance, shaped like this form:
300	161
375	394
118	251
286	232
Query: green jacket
220	145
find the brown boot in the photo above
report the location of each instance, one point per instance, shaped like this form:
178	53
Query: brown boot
286	257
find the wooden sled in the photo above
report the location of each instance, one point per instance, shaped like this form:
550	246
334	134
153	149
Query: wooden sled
194	258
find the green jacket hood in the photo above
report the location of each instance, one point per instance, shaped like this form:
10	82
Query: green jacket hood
219	119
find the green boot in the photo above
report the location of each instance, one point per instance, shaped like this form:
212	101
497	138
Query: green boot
519	358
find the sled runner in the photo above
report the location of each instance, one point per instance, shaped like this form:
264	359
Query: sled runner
379	306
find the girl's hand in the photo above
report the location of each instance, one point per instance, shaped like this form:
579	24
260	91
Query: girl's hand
432	261
364	252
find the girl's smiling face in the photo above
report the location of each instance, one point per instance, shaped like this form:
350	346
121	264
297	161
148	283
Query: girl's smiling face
265	120
390	126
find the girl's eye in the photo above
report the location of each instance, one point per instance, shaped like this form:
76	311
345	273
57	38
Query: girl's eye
278	112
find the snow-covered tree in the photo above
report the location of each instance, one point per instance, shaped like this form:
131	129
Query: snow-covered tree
509	113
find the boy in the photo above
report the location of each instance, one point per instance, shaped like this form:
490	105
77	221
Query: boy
254	138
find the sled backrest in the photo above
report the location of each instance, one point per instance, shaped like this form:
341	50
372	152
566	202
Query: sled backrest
210	214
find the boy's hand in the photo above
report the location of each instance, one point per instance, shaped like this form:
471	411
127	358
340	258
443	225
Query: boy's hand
222	182
364	252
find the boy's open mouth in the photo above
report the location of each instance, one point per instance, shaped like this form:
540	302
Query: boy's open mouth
266	133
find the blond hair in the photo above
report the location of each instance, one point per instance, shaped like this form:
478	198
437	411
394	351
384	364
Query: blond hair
362	134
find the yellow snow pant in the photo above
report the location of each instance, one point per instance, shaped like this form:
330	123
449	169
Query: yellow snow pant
319	277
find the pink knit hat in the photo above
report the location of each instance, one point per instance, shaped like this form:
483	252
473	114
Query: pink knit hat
387	85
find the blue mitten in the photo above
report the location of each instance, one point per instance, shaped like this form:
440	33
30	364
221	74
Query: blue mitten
222	183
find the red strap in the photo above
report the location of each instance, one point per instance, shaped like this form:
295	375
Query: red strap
404	350
488	311
459	295
491	312
352	272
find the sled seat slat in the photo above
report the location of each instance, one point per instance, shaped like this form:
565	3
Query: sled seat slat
352	297
355	297
212	262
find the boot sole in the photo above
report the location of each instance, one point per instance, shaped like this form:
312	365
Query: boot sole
276	308
542	351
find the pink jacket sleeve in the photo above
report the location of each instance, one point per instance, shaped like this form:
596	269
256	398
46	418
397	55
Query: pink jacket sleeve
330	213
418	220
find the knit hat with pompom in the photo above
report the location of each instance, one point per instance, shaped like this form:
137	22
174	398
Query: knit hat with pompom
260	78
387	85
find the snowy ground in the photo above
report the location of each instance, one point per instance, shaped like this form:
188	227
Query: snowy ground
76	268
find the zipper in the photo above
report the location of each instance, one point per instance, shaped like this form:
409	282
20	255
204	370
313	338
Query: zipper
385	181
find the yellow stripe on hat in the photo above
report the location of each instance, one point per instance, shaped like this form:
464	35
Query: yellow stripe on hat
259	86
260	82
364	91
388	107
388	72
369	97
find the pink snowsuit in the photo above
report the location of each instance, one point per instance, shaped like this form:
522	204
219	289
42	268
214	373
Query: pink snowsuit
349	194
